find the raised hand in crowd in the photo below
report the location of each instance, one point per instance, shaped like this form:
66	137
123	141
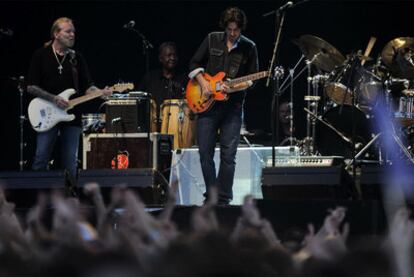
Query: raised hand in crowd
401	239
250	221
330	241
11	232
203	219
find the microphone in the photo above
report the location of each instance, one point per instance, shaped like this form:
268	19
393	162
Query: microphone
116	119
130	24
6	32
286	6
72	53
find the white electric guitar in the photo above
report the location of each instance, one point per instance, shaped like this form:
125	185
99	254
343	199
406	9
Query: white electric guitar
44	115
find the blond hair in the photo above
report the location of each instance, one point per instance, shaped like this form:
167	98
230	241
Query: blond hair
56	28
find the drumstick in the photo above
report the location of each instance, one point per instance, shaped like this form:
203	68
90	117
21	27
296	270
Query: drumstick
370	45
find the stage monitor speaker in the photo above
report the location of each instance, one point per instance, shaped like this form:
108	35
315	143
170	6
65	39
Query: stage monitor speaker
142	181
374	178
306	183
127	115
371	181
22	187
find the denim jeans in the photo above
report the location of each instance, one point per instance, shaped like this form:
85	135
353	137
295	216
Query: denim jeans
226	118
69	144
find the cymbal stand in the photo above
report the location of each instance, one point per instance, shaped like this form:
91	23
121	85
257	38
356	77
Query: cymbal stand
362	151
284	87
291	72
308	149
351	66
339	133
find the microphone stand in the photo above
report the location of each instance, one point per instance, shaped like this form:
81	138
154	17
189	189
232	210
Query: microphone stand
146	47
280	19
275	116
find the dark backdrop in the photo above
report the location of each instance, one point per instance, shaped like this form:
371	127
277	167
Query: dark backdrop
115	54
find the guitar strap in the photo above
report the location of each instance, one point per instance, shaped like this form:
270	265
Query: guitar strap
75	75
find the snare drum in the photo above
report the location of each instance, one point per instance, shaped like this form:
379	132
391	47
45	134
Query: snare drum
177	120
93	122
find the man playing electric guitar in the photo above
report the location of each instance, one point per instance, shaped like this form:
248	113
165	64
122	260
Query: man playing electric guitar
54	68
235	55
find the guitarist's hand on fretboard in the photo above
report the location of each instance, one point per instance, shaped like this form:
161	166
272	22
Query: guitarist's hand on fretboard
106	91
60	102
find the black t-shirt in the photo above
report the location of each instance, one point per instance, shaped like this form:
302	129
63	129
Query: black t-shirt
44	73
162	88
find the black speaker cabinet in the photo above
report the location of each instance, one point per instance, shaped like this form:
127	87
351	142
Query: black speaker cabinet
306	183
130	115
100	149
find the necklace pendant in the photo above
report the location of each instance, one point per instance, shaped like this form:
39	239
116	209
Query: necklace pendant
60	68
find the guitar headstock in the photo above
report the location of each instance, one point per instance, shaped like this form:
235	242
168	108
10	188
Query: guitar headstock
121	87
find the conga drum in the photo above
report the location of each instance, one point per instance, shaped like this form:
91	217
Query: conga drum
153	116
176	120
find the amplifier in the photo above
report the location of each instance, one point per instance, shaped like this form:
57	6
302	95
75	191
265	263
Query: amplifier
306	183
130	115
306	161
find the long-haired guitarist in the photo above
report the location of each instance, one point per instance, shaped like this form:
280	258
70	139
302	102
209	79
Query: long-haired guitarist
54	68
235	55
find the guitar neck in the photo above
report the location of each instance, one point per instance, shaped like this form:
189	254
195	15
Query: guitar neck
250	77
85	98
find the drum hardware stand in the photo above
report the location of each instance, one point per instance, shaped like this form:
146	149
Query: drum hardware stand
363	150
291	72
307	66
282	86
351	66
312	100
339	133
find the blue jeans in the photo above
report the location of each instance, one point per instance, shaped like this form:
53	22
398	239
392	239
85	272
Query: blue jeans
226	117
69	144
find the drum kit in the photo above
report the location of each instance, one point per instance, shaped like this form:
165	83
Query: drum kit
344	97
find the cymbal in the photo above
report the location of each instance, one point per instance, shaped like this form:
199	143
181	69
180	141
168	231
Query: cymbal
398	56
322	54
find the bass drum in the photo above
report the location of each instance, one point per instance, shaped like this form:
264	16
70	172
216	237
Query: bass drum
329	143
